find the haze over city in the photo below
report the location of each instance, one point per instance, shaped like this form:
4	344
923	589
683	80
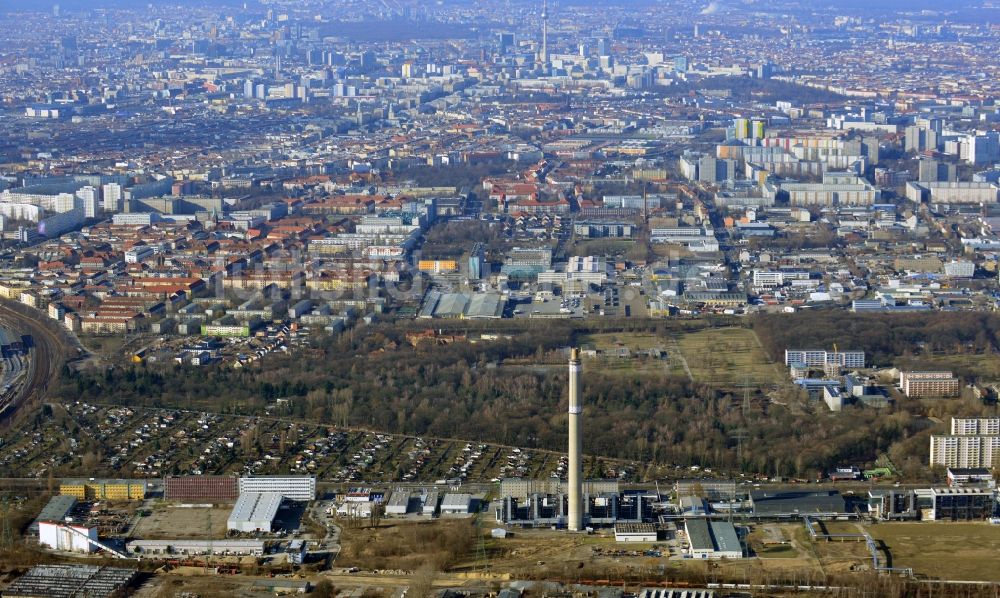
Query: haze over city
635	298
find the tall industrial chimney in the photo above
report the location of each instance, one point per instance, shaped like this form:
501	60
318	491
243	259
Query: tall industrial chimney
575	522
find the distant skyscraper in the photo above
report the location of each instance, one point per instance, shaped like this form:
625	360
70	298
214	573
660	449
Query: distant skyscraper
113	195
90	197
55	10
68	48
506	43
368	61
604	47
543	56
918	139
680	64
477	261
744	128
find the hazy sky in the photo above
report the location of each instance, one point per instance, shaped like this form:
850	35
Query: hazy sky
839	5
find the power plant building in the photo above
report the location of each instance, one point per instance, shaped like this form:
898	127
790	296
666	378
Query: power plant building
599	509
780	504
522	488
575	503
959	504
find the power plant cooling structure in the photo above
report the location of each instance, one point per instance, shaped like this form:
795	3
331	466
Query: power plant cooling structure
575	522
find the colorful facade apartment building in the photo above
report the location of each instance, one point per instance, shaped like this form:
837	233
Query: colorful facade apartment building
104	489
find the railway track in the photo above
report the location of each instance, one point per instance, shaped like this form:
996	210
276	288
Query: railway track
48	351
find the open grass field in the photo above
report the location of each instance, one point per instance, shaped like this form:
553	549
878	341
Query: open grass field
954	551
728	357
614	247
634	341
772	542
725	357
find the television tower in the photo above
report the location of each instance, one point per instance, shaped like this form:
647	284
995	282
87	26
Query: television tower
575	521
543	56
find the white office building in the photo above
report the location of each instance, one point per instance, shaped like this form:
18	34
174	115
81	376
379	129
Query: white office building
113	195
825	359
90	198
290	487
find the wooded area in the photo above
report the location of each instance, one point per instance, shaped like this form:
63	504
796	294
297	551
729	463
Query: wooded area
883	337
513	391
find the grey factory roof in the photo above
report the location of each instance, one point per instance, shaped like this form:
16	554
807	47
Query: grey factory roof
430	304
773	503
58	581
485	305
719	536
451	305
56	509
399	498
456	500
255	506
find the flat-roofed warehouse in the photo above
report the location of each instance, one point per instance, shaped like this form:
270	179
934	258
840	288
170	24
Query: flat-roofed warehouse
57	509
823	503
399	503
635	532
70	581
254	512
485	306
456	503
175	547
709	539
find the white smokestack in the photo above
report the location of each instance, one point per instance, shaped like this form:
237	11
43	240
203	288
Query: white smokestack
575	522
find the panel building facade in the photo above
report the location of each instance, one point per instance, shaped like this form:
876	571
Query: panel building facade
201	488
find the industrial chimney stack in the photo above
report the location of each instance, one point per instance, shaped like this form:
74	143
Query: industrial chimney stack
575	522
